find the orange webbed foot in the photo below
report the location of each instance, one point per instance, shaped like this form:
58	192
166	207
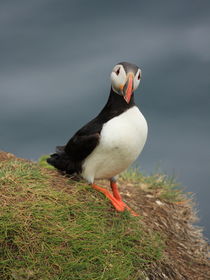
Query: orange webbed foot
116	203
115	198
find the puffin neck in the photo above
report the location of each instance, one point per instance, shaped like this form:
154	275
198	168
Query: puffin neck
117	103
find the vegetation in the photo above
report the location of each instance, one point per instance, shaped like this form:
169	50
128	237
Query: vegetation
54	227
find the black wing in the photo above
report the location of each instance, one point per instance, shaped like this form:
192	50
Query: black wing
84	141
69	158
80	146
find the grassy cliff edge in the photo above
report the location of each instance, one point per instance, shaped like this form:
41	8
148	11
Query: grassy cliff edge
54	227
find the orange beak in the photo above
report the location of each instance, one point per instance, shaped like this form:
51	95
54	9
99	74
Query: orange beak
128	88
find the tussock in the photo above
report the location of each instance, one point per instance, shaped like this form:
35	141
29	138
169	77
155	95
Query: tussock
54	227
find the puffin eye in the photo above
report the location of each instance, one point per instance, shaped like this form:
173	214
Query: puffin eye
139	76
118	71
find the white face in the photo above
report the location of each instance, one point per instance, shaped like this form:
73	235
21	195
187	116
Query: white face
119	78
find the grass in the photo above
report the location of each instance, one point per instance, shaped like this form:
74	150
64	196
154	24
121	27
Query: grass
53	227
52	233
165	187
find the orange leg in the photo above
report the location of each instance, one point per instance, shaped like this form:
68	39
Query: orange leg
115	190
119	205
115	199
117	195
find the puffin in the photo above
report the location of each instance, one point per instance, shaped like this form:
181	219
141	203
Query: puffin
112	141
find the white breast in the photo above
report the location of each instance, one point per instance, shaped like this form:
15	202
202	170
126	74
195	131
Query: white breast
122	140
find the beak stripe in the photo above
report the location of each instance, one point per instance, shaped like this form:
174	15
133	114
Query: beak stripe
129	89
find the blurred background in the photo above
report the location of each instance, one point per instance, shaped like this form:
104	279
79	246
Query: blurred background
55	62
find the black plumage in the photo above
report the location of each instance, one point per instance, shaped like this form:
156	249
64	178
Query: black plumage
69	158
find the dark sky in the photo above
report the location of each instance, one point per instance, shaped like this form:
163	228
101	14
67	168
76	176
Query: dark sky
55	62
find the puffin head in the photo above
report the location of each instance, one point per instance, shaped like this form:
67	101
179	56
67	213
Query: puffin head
125	79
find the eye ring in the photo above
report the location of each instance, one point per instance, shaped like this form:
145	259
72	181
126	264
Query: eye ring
118	71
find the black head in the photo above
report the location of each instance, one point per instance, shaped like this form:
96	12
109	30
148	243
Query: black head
125	79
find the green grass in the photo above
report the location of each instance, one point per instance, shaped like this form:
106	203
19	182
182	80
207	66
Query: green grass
165	187
50	231
42	162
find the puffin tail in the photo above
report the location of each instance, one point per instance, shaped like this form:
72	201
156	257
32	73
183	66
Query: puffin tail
62	161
